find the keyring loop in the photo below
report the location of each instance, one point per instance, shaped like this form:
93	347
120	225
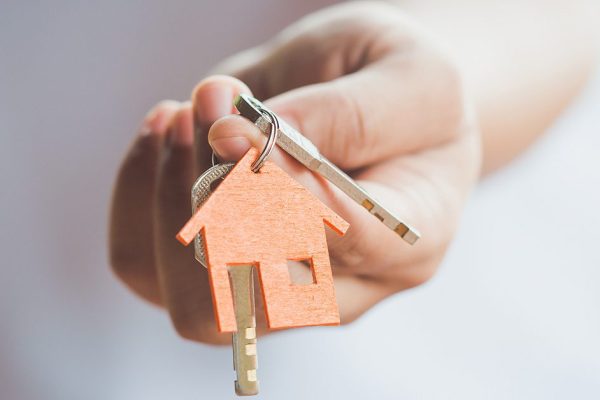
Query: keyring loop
271	141
273	135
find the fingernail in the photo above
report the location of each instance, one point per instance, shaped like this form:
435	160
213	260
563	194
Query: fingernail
213	102
230	148
157	121
181	132
150	121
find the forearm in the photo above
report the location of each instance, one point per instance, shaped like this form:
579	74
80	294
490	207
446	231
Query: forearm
523	62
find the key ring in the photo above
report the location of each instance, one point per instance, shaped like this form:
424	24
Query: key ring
273	135
271	141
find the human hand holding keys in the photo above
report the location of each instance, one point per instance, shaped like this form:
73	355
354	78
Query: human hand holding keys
304	151
391	115
240	291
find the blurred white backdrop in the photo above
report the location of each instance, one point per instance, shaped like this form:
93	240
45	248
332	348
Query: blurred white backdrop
513	312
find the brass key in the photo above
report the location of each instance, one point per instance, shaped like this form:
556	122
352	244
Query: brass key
303	150
242	285
244	340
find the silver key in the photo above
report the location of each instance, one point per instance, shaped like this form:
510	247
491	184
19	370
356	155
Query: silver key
303	150
244	340
242	285
201	190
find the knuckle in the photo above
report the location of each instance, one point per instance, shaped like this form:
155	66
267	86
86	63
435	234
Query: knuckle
454	80
419	278
126	264
154	119
367	10
440	91
343	23
183	118
232	68
347	319
165	106
185	327
450	93
138	275
196	329
422	272
352	122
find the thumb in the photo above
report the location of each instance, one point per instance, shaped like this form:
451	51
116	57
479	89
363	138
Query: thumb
232	136
391	108
212	99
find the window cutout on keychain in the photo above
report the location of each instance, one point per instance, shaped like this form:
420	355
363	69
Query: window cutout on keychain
301	272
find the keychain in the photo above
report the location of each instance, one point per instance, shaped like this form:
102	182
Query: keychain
261	218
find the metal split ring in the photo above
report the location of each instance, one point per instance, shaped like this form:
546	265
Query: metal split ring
271	141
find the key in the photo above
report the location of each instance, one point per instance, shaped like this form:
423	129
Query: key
303	150
242	285
200	192
244	340
249	222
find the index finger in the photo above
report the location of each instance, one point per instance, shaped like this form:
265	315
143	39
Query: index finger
360	101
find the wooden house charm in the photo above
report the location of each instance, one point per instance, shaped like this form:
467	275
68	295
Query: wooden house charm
266	219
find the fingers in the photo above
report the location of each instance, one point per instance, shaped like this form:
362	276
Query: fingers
423	189
152	202
356	294
361	81
212	99
184	283
318	48
131	228
364	94
232	136
394	107
430	188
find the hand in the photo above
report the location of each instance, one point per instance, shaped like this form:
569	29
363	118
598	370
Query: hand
372	91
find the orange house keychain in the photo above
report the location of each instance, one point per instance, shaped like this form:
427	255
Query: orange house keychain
261	218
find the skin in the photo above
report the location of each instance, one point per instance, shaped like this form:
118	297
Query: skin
524	65
377	95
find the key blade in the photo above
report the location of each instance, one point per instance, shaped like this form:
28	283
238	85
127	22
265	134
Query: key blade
340	179
303	150
244	339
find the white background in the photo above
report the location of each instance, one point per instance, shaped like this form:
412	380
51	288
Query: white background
513	312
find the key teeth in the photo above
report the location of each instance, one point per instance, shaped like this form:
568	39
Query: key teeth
408	234
250	333
411	237
303	150
250	391
251	375
251	349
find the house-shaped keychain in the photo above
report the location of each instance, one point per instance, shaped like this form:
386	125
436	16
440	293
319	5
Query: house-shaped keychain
267	219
